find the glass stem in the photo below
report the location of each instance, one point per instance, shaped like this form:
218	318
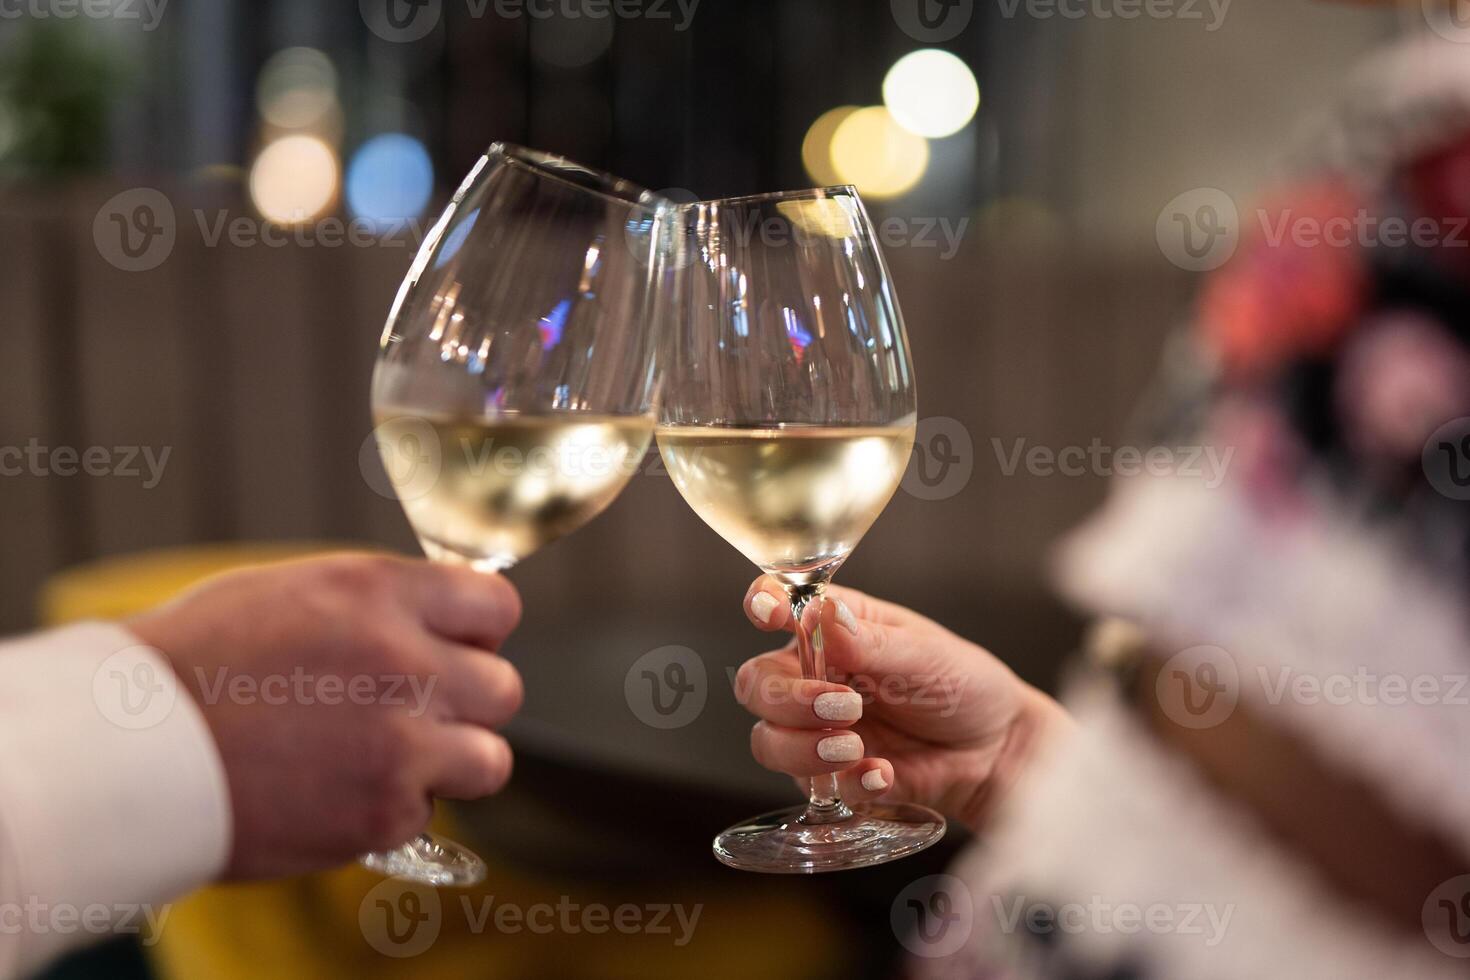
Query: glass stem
824	805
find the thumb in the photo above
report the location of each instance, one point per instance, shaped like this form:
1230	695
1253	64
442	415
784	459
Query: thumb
860	634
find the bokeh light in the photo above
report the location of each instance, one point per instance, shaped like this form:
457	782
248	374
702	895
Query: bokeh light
873	152
826	217
931	93
297	89
389	180
816	148
294	179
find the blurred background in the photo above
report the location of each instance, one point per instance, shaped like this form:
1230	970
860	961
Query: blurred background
207	206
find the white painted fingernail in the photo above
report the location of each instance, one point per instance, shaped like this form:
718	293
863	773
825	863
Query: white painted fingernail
845	618
840	748
839	706
763	605
873	780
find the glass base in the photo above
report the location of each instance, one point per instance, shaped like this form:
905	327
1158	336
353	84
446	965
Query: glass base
782	843
429	860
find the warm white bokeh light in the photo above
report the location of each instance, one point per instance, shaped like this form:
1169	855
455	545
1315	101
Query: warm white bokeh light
816	148
297	89
931	93
294	179
871	151
826	217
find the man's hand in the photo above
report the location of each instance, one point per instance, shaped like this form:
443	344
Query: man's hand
373	686
915	713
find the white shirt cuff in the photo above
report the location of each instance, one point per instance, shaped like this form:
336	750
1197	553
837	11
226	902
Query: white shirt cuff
113	797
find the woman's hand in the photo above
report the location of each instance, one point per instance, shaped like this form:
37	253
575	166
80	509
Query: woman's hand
912	712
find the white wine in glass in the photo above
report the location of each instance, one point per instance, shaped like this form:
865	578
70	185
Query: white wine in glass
794	499
786	422
507	485
514	389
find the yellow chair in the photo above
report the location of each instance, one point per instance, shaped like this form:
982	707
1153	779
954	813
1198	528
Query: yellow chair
350	923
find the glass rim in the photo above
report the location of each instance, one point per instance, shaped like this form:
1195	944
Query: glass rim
803	194
554	166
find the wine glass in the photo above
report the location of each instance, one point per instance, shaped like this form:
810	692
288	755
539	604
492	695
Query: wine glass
786	422
514	391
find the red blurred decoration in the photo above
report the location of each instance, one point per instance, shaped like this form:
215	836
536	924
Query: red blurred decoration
1295	286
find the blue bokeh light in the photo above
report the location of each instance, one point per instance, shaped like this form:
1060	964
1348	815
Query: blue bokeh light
389	181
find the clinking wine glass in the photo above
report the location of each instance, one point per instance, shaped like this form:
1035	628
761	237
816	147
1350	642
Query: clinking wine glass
786	422
514	391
